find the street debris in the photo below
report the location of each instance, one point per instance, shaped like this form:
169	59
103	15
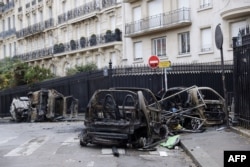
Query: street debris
44	105
171	142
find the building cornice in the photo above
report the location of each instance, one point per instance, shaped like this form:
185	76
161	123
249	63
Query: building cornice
235	13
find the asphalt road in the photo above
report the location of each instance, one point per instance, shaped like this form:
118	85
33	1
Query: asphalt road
53	144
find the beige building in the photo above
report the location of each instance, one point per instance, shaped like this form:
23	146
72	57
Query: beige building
59	34
181	30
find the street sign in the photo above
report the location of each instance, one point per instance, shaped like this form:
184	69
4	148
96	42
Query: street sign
153	62
165	64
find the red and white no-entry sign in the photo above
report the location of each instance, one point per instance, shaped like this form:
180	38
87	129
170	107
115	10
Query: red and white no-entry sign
153	61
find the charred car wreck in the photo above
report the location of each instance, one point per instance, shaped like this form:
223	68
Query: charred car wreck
44	105
121	116
192	107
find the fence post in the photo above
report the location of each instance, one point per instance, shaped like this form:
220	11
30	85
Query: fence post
235	87
110	74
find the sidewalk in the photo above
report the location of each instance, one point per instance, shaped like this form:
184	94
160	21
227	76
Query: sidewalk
207	148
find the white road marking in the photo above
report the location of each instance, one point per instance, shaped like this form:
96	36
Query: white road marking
28	147
107	151
7	140
70	140
90	164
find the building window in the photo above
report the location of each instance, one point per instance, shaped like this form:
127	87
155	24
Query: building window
4	51
9	23
235	27
159	46
13	17
53	69
113	58
10	50
206	40
66	68
138	50
184	43
205	4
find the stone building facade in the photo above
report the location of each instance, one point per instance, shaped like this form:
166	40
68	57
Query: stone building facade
60	34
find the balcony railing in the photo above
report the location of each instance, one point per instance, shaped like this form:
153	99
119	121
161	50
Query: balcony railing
93	41
41	53
73	45
7	6
158	21
36	28
85	9
80	11
7	33
108	3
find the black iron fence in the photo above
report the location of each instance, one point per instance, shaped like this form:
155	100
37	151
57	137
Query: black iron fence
83	85
241	46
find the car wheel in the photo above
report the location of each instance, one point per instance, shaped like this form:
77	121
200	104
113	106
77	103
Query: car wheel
195	123
83	136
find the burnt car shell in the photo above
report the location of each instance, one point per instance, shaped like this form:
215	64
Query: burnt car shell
194	106
122	116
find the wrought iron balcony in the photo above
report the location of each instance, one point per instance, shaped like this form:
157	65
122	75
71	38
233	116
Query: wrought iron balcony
7	6
49	23
160	22
108	3
35	28
8	33
77	12
92	41
74	45
37	54
85	9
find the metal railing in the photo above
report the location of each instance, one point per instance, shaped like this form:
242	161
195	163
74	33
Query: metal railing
85	9
35	54
77	12
158	21
73	45
35	28
108	3
241	57
7	33
7	6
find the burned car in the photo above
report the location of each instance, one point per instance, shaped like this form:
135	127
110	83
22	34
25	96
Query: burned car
44	105
193	107
123	116
20	109
49	104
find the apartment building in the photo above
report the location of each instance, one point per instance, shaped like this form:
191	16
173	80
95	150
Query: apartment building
181	30
59	34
